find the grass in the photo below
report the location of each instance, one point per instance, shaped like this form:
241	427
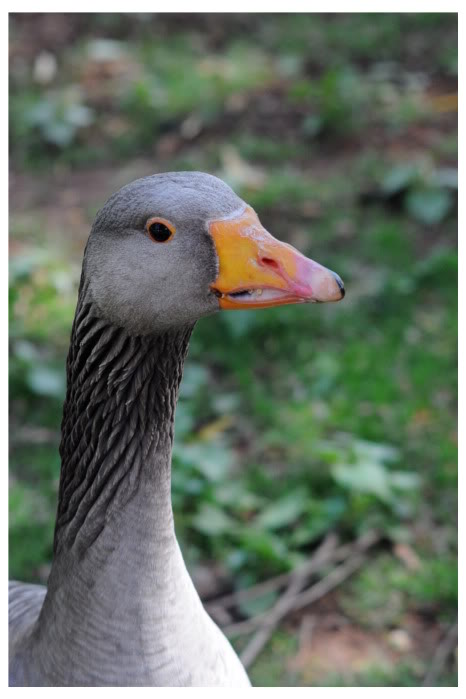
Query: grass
318	122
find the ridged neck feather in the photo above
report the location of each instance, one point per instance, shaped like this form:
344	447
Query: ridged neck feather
117	566
118	415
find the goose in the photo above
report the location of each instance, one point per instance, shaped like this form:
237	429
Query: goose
120	608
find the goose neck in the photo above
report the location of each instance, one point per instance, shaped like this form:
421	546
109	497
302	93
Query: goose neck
118	424
116	558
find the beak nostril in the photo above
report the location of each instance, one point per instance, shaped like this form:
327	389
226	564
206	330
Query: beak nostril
269	262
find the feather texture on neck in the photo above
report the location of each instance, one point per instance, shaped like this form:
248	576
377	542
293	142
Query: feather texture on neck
119	411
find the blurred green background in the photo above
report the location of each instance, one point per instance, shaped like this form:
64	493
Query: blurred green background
341	131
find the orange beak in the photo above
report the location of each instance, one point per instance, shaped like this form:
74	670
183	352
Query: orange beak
257	271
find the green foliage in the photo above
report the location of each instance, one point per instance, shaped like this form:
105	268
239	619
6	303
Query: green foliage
292	422
31	516
429	205
380	595
339	100
369	474
427	196
42	127
436	585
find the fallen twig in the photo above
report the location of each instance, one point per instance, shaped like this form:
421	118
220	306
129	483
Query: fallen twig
295	598
284	603
332	580
441	655
232	599
292	602
273	584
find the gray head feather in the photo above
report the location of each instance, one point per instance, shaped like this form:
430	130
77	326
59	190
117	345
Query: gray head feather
147	287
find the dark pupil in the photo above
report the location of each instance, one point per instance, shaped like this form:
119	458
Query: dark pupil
160	232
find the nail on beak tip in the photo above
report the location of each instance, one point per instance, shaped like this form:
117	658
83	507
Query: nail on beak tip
341	286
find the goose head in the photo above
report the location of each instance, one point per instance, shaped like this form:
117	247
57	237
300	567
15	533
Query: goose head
171	248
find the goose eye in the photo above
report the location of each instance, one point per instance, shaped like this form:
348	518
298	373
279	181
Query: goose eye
159	231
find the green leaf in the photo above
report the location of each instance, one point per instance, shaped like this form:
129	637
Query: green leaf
236	495
211	520
404	480
398	179
25	350
46	382
213	459
283	511
374	451
429	205
264	544
365	477
320	517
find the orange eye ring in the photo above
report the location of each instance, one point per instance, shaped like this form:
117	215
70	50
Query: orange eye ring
160	230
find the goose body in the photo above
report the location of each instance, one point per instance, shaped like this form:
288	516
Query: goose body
120	608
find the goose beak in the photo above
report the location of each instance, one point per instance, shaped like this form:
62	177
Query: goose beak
258	271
